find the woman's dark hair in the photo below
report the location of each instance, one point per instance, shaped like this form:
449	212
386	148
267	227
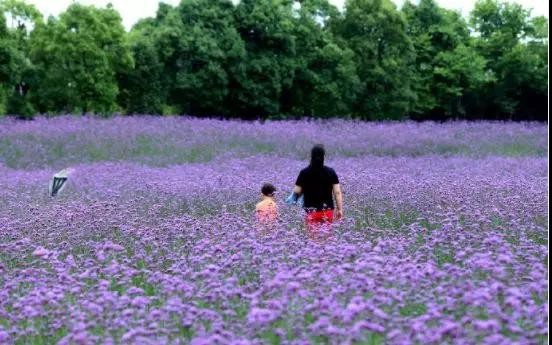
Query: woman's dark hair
268	190
317	156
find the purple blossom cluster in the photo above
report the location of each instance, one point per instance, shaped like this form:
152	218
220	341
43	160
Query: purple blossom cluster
164	141
436	247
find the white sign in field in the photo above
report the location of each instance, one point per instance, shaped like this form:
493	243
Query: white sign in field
58	181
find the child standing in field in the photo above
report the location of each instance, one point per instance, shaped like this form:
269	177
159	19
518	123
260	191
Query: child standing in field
267	209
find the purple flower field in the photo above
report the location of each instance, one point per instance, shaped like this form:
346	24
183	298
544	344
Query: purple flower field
153	240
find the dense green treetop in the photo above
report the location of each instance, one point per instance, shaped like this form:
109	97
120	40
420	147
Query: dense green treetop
78	57
278	58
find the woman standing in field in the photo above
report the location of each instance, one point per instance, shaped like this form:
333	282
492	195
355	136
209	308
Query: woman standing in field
319	185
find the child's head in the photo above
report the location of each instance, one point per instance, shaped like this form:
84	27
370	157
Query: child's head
268	190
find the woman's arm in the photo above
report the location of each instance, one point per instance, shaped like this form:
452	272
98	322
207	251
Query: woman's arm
338	200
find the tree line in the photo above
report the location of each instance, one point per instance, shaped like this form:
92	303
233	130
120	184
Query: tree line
278	59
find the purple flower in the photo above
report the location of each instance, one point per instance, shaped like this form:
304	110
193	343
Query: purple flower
41	252
261	317
4	337
153	240
486	325
140	302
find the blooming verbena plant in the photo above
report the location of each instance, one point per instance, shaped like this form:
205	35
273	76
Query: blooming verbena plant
153	240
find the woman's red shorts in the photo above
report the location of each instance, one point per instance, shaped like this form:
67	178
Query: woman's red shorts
317	218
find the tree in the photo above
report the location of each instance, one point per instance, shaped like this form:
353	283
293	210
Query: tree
456	78
142	88
448	71
325	80
17	71
287	58
515	46
6	64
376	32
268	67
197	43
78	58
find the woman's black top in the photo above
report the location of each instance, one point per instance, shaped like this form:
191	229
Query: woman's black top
317	185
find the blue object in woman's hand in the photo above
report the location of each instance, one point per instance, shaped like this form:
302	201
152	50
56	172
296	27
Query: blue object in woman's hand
295	199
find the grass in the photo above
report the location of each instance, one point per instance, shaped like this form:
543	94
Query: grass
41	333
413	309
443	255
185	332
141	281
240	308
40	339
371	339
174	207
250	277
11	261
390	219
11	154
518	148
270	337
320	340
539	300
309	319
38	150
25	151
116	287
16	150
540	238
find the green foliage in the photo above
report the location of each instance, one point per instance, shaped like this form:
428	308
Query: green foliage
3	99
16	70
371	339
6	64
197	43
447	68
376	32
19	104
6	53
270	337
20	13
457	74
413	309
516	47
142	89
326	82
278	59
268	67
78	57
